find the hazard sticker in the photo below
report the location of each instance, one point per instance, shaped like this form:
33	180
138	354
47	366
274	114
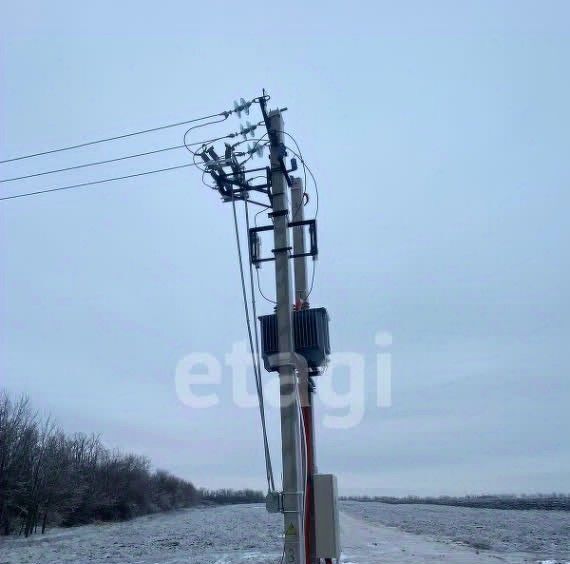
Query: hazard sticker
291	531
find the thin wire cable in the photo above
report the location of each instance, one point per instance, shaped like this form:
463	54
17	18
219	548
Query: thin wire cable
95	182
222	161
306	167
96	163
300	156
312	279
188	145
247	318
258	362
312	177
303	431
258	269
260	211
257	142
116	137
249	181
211	186
261	291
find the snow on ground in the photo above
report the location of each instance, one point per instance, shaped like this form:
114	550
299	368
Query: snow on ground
247	534
545	534
220	535
366	541
371	543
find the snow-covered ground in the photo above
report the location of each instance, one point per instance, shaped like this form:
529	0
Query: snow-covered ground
239	533
427	533
543	534
247	534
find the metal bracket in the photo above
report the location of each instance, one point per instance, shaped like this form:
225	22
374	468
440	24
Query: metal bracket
232	184
225	181
275	502
278	213
312	223
296	504
255	246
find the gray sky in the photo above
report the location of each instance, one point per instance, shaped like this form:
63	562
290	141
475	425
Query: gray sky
438	133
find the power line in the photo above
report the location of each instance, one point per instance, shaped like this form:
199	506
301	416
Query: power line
123	136
188	145
305	168
257	269
261	291
75	167
305	165
258	359
95	182
299	155
253	350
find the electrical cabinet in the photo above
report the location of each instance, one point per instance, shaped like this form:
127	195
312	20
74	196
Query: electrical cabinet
327	527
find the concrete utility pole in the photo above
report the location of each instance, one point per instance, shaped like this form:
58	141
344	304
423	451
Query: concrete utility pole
293	472
300	263
301	297
295	343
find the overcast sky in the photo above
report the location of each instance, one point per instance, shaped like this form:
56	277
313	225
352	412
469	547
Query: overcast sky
439	134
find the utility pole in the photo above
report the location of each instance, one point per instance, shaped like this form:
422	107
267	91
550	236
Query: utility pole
293	473
305	381
294	340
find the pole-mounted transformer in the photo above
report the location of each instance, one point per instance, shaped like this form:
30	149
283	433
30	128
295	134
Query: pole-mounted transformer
310	335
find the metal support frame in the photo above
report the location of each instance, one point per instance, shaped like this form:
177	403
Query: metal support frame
299	251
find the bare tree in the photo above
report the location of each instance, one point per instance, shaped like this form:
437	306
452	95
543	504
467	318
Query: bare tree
47	477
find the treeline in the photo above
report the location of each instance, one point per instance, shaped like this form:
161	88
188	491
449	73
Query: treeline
227	497
549	502
49	478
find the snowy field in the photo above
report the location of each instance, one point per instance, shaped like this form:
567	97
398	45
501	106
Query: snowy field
372	534
537	535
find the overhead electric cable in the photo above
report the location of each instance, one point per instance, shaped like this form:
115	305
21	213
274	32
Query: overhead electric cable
312	280
257	269
268	468
312	177
95	182
299	155
261	291
306	168
117	159
258	360
116	137
188	145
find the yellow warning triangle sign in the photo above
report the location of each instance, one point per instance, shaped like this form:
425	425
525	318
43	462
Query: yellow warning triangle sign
291	531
